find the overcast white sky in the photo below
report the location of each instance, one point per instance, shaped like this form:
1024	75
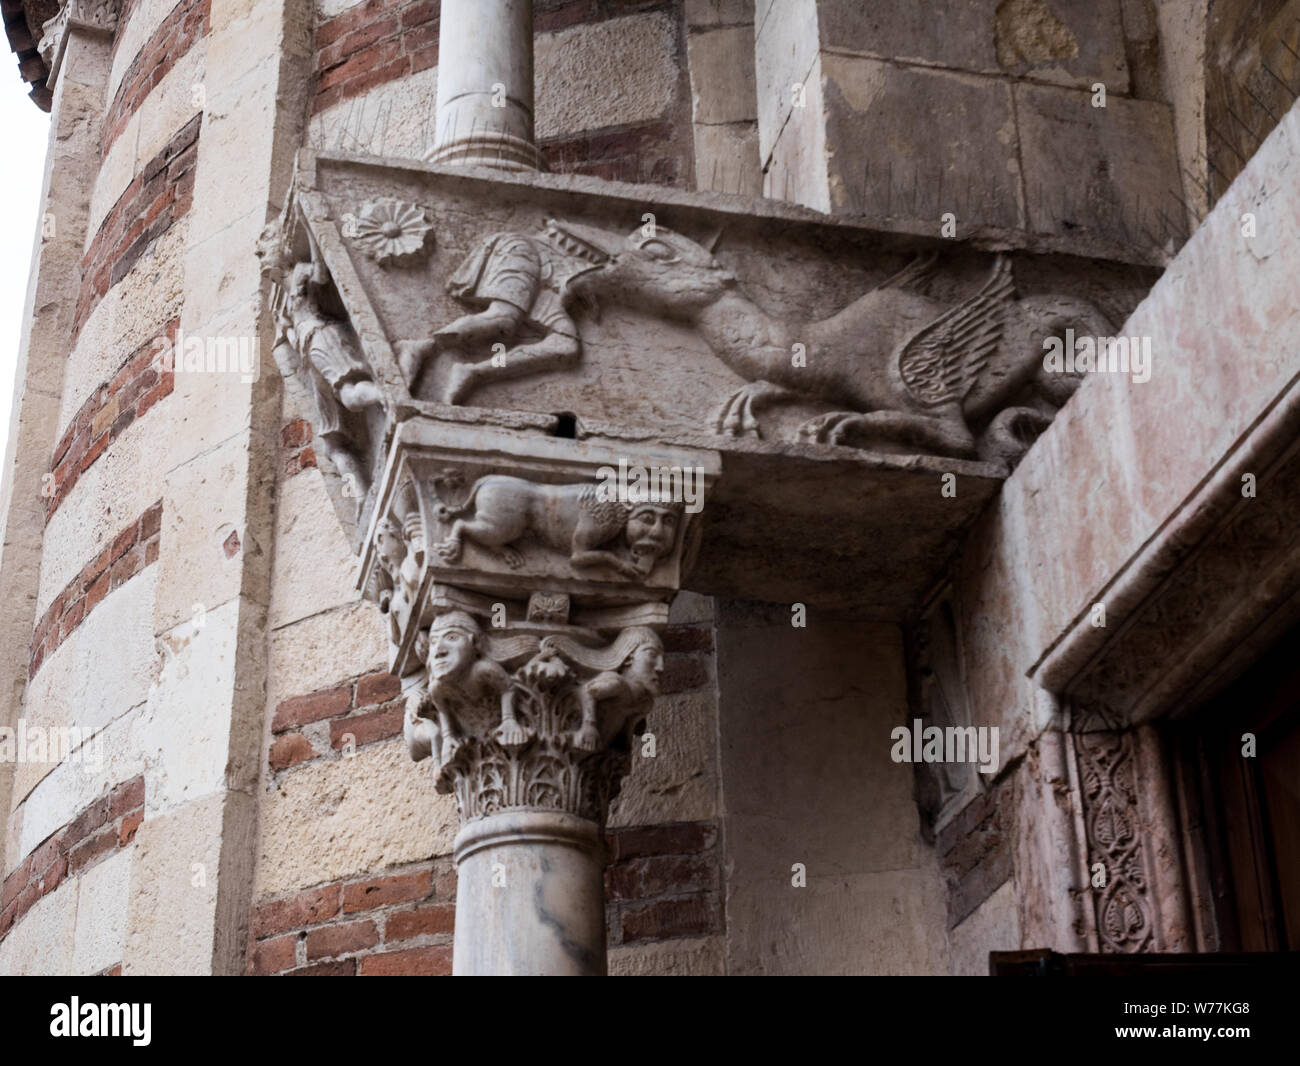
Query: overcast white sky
23	131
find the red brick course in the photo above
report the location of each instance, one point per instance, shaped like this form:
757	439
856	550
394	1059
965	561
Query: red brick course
131	551
662	882
655	153
362	711
296	439
169	43
107	823
139	383
373	43
399	922
432	961
159	194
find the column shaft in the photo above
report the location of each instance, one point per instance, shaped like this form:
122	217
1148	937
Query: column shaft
530	890
485	85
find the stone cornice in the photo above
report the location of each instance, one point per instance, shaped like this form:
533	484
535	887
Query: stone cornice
24	21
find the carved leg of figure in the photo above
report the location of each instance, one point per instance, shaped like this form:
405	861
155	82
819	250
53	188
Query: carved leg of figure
450	742
555	352
449	548
941	436
423	737
484	533
411	357
739	415
510	733
1012	432
587	738
355	481
605	560
500	319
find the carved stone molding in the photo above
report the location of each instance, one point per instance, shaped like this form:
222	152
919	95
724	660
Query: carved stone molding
1216	587
1123	907
97	17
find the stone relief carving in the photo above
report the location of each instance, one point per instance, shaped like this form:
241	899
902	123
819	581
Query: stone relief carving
1114	839
939	698
517	283
391	232
321	350
606	538
394	583
906	369
518	722
96	16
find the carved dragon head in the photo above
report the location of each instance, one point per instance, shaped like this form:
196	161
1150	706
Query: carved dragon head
652	269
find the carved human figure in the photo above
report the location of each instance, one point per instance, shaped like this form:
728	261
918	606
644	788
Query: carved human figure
465	688
501	510
323	353
618	696
399	558
515	282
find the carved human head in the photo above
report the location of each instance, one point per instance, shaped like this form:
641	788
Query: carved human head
646	657
390	545
453	645
273	251
651	531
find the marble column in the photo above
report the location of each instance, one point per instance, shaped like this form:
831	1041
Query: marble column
532	730
524	611
531	886
485	85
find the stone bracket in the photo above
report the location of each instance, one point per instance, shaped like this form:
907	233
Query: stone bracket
94	17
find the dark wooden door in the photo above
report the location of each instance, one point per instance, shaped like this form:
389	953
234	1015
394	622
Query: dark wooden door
1251	803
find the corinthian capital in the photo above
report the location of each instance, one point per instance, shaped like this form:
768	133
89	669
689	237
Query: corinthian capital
524	580
522	723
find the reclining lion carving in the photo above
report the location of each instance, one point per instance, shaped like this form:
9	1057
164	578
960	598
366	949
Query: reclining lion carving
627	540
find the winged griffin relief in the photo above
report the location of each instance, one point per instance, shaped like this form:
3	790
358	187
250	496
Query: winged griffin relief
899	367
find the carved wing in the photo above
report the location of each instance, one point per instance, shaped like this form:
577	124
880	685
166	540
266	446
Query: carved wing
917	271
942	361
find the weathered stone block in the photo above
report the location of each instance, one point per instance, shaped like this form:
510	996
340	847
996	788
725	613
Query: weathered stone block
611	73
1045	40
1109	173
967	162
722	75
